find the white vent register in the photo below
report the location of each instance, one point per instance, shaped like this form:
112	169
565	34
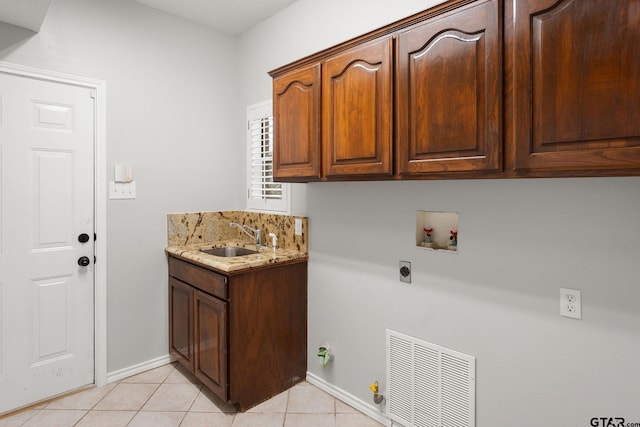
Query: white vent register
429	385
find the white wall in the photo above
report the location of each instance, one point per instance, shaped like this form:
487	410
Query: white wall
172	114
498	298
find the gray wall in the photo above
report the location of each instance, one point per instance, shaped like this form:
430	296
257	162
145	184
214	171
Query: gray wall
498	298
171	113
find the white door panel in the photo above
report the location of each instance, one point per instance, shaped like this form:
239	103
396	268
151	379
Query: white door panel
46	201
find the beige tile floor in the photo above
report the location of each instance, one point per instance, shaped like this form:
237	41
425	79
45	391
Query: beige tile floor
169	396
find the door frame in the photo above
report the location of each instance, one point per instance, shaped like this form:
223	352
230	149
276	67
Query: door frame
99	88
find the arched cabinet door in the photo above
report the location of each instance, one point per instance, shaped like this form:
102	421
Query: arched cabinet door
573	80
296	112
357	105
449	93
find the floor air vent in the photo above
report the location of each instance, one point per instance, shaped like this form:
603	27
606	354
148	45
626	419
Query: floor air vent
429	385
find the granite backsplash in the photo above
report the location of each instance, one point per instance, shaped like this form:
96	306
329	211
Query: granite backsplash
185	229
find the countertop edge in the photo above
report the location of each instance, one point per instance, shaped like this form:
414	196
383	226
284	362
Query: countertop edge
234	265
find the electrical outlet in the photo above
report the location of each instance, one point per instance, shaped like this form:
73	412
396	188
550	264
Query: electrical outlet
405	271
570	303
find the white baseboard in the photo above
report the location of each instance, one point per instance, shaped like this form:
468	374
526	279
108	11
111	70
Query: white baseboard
139	368
367	409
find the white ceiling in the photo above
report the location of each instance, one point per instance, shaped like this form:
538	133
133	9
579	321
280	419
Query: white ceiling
25	14
229	16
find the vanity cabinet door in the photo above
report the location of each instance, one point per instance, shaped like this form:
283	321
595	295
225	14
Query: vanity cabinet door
573	80
296	112
449	94
357	111
210	342
181	322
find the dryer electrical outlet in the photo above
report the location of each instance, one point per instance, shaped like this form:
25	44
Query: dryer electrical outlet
405	271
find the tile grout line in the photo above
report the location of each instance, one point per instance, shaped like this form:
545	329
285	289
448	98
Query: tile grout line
93	407
286	408
142	406
149	398
192	403
96	404
36	412
151	395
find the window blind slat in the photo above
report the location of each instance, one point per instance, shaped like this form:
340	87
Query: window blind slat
261	152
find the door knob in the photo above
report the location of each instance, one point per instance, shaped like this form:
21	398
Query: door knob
84	261
83	238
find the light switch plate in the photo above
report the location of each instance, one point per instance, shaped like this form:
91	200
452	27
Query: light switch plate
122	190
298	227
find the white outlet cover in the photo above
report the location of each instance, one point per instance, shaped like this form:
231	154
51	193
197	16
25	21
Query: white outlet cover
571	303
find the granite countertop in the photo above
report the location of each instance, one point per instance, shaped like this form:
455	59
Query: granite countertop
232	264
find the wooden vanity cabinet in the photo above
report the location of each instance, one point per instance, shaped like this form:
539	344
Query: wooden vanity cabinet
244	335
449	93
198	323
357	111
573	79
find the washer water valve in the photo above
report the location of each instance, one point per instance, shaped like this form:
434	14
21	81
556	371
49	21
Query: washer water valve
377	397
325	353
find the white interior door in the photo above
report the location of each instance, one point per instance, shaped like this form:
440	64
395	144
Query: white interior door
46	203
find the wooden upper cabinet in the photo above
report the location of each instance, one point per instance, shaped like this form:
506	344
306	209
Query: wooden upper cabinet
296	111
430	96
357	111
573	80
449	95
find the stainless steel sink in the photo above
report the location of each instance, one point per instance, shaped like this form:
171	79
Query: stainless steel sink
229	251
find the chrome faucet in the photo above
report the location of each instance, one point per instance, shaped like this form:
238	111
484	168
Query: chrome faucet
257	234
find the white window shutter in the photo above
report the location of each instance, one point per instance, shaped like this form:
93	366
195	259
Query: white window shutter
263	194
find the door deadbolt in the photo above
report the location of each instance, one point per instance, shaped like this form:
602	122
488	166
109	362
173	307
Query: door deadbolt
83	238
